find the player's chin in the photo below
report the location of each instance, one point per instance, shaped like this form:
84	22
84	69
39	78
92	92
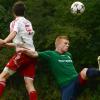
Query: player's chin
66	50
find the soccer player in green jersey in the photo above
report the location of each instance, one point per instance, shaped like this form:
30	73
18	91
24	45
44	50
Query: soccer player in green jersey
61	65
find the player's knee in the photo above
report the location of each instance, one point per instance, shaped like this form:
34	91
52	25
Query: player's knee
3	79
5	74
9	71
83	73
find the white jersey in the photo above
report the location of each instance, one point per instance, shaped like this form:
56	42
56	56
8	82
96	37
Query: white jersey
25	32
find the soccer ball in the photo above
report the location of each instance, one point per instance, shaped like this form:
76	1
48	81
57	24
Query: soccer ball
77	8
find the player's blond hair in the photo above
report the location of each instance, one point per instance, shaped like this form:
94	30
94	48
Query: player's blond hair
61	37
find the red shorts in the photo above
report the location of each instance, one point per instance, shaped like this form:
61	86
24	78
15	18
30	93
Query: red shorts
24	64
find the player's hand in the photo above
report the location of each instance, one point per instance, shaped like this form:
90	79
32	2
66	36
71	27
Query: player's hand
19	49
20	45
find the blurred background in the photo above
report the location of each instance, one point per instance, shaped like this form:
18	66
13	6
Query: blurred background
51	18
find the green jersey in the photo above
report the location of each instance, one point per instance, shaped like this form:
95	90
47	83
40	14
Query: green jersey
61	66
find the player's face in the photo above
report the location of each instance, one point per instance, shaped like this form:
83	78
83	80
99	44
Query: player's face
63	45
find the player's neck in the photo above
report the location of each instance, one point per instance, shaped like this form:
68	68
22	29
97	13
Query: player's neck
18	16
59	50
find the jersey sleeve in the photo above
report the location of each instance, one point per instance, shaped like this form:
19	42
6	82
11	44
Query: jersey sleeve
44	55
14	26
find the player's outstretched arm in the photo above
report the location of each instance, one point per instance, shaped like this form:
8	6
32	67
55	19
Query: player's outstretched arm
10	37
31	53
12	45
2	42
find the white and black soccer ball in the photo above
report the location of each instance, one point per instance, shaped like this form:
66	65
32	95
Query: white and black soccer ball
77	8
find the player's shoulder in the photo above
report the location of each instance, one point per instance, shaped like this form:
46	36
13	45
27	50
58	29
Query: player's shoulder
16	20
20	19
48	51
12	22
26	20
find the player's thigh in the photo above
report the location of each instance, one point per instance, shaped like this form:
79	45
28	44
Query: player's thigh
68	91
19	60
72	90
14	62
28	71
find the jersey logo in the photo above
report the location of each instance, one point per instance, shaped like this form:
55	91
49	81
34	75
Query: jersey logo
67	61
69	57
28	28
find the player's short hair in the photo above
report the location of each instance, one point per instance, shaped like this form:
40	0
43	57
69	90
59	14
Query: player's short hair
62	37
58	38
19	8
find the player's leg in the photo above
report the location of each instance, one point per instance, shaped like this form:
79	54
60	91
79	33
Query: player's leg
99	62
30	88
3	77
74	89
67	92
28	71
10	69
90	73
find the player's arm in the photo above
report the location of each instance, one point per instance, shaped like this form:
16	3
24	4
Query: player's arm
28	52
10	37
1	42
44	55
10	45
31	53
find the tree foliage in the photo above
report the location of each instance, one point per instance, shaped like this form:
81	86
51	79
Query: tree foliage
51	18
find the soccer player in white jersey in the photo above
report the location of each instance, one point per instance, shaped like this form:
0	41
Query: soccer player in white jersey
21	33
